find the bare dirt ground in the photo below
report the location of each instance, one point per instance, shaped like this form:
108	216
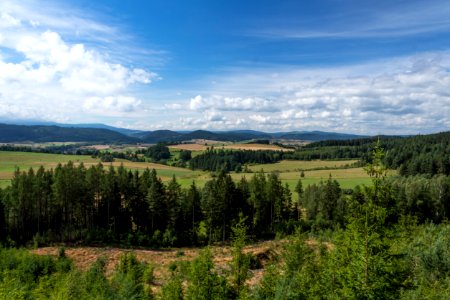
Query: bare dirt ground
84	257
202	146
190	147
257	147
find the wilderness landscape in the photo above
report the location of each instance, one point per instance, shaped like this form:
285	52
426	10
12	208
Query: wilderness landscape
224	150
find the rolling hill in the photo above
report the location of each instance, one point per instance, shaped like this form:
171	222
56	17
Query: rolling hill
101	133
39	133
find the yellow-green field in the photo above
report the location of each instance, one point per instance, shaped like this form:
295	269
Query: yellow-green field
297	165
9	161
289	170
347	178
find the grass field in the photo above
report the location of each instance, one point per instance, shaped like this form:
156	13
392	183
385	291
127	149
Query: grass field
347	178
4	183
289	170
296	165
9	161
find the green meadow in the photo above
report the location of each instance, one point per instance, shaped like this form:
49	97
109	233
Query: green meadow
10	161
298	165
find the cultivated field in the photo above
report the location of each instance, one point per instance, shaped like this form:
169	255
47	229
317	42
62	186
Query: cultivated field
190	147
223	145
257	147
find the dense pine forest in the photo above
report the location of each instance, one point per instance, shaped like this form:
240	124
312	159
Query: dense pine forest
233	160
421	154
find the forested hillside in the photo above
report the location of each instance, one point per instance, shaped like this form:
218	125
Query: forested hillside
232	160
22	133
108	134
421	154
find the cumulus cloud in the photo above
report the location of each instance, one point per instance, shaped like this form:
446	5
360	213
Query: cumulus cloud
111	104
214	116
400	95
46	77
232	104
77	69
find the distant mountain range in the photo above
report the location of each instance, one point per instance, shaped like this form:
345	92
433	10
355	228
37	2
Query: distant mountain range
242	135
40	134
86	125
100	133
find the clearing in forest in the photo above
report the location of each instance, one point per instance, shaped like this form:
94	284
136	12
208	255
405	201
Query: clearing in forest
298	165
84	257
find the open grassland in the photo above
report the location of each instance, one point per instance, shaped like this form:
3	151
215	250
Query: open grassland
9	161
297	165
347	178
4	183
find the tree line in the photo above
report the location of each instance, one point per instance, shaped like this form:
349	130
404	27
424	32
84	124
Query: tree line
72	203
421	154
97	204
233	160
77	149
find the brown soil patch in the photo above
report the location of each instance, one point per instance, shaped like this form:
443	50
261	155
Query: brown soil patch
210	142
257	147
99	147
144	165
84	257
6	174
190	147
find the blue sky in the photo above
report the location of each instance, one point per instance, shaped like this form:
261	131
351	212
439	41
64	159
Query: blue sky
364	67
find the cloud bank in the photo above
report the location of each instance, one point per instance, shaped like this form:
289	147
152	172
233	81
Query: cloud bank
402	95
42	76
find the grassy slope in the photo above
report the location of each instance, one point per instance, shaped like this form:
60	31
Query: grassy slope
296	165
9	161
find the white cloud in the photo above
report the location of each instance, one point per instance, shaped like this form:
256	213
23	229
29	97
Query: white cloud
57	16
214	116
222	103
260	118
45	77
111	104
6	20
401	95
77	69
